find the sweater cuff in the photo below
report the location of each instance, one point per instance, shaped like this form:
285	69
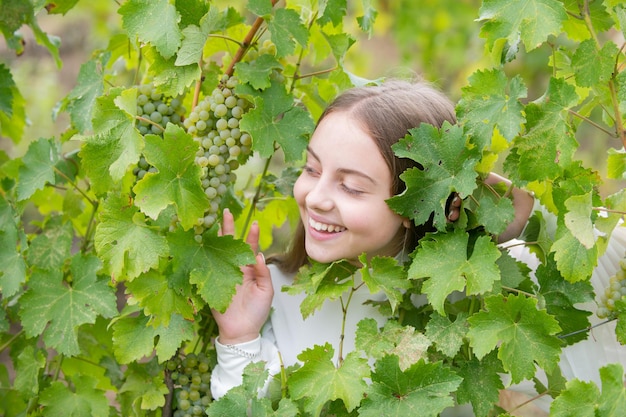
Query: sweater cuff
248	350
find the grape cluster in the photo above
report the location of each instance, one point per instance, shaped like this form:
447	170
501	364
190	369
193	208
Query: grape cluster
191	376
214	124
154	112
614	292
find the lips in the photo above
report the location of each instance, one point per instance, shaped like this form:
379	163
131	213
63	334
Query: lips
324	227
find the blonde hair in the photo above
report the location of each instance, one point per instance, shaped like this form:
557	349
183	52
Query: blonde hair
386	112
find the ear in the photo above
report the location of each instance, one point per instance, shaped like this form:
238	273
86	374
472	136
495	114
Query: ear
406	223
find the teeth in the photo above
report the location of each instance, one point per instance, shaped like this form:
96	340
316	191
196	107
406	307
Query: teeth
325	227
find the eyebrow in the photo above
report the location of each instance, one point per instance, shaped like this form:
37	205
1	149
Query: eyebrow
345	170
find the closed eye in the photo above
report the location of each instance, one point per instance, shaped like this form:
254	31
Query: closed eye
350	191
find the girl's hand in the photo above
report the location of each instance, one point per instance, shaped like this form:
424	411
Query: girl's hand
453	207
251	304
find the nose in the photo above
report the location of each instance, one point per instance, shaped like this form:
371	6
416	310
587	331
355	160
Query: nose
319	196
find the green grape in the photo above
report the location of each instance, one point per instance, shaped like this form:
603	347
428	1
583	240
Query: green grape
612	293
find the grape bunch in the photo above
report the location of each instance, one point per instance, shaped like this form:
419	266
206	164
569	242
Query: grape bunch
214	124
191	376
614	292
154	112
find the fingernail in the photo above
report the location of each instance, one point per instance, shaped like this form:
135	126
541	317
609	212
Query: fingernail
456	199
226	210
262	257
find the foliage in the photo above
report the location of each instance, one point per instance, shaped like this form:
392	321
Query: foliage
113	278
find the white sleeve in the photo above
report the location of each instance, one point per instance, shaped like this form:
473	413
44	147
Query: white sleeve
232	359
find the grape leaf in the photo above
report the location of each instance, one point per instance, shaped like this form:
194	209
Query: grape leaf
318	381
492	101
332	11
134	338
191	11
286	27
443	259
384	274
159	299
85	400
213	265
195	37
393	339
260	7
321	282
7	86
366	22
125	242
481	383
616	161
574	261
447	335
170	79
612	402
50	248
37	167
177	181
578	219
257	73
422	390
448	167
591	65
530	21
13	272
153	21
495	213
30	363
115	145
81	100
522	334
144	387
275	118
63	308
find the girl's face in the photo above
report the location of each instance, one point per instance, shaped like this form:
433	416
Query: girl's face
341	194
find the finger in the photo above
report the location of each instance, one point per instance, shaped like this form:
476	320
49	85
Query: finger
453	215
456	201
253	236
262	273
228	223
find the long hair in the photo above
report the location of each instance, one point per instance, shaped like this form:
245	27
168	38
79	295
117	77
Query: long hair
386	112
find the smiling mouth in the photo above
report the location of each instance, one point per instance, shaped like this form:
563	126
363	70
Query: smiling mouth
323	227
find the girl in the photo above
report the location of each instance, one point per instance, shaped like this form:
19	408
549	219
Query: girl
349	174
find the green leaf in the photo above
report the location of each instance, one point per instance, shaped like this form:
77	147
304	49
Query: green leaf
318	381
321	282
213	265
447	335
125	242
30	363
578	219
144	387
191	11
115	145
257	73
492	101
591	65
574	261
37	167
522	334
12	113
393	339
13	272
422	390
154	22
170	79
616	161
448	167
80	102
612	402
134	338
528	21
443	259
275	118
63	308
177	181
49	249
366	22
495	213
286	27
481	383
384	274
332	11
85	400
7	87
159	299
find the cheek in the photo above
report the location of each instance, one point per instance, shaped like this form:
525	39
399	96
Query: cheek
300	190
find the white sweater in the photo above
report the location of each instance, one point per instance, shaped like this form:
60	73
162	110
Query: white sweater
288	333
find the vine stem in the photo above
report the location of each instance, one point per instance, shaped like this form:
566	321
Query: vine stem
344	313
243	48
586	329
519	291
257	197
76	187
8	342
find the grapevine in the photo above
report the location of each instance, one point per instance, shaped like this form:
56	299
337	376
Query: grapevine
614	292
191	375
